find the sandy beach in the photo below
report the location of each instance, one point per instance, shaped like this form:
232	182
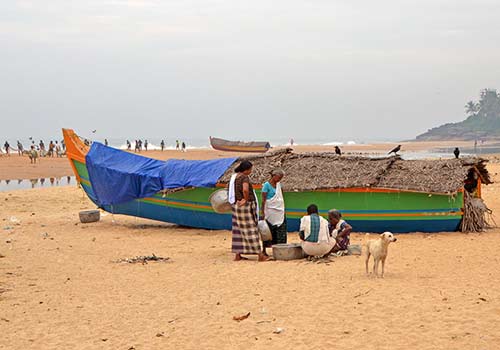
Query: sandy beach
61	287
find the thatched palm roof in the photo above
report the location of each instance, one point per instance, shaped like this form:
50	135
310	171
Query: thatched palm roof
314	171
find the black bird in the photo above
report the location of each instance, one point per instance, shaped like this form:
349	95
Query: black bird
338	151
456	152
395	150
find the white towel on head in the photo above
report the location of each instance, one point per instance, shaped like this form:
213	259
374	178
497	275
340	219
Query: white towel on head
231	195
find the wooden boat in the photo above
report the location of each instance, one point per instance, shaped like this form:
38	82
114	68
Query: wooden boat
239	146
366	208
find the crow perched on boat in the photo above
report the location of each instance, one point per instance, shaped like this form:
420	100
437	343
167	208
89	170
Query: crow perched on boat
395	150
456	152
338	151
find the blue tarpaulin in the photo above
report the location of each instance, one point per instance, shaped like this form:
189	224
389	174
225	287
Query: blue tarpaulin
118	177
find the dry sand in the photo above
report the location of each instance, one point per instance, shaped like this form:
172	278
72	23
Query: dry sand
59	288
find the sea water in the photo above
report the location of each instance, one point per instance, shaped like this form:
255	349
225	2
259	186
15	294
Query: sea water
20	184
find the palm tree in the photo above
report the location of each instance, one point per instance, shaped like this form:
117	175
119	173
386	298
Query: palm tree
471	108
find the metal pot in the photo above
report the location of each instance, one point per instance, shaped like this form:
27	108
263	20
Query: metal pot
264	230
220	202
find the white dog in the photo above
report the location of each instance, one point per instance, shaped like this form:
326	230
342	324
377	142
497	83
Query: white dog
378	248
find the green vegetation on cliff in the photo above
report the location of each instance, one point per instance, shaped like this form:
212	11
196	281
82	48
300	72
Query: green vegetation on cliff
483	121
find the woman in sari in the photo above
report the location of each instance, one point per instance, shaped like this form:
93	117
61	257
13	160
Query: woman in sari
245	235
273	209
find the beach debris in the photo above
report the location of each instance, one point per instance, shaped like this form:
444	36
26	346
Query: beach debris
104	339
241	317
143	259
279	330
2	256
45	235
365	293
15	220
6	228
160	334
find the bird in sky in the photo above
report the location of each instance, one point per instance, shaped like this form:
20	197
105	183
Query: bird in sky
93	131
338	150
395	150
456	152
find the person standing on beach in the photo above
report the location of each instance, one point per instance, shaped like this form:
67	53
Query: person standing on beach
6	146
33	155
162	145
146	145
183	146
273	209
58	150
245	235
129	146
63	145
177	145
106	142
20	148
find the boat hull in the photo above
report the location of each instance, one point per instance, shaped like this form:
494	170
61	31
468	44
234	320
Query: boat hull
367	210
237	146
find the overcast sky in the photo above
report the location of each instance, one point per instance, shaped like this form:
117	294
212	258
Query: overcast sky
331	69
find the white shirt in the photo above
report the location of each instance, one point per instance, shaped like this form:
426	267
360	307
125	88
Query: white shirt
324	233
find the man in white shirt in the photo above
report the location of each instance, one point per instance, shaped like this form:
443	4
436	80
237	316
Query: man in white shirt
314	233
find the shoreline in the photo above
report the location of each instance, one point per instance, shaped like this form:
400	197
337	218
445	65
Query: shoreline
16	167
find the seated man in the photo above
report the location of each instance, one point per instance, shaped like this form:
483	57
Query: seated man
316	240
340	229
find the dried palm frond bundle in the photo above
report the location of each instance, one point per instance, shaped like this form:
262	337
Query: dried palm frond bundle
477	216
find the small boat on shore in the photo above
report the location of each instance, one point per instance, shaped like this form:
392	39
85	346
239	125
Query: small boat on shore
374	195
239	146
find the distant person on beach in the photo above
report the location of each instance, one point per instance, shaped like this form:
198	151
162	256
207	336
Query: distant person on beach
273	209
183	146
20	148
291	142
129	146
162	145
245	235
177	144
63	146
33	155
314	233
136	146
58	150
456	152
6	146
339	229
106	142
51	149
145	145
41	146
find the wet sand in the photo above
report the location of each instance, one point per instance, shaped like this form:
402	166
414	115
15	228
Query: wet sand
60	289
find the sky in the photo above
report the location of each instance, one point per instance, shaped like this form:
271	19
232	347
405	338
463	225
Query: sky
326	69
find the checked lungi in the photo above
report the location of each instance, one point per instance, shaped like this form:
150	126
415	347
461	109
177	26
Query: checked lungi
245	234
